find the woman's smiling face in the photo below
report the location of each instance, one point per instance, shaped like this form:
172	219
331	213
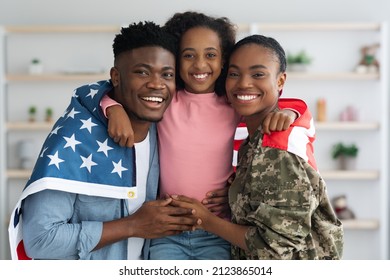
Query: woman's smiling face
254	81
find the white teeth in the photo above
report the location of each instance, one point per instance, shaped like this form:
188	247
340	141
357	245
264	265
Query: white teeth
200	76
153	99
246	97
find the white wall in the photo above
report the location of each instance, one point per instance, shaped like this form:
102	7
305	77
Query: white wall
122	11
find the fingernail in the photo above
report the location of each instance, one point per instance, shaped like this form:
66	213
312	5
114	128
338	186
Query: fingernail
175	196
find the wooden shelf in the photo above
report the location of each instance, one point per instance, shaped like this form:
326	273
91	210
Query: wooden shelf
61	28
350	174
56	77
262	27
332	76
18	173
357	26
347	125
357	224
29	126
103	76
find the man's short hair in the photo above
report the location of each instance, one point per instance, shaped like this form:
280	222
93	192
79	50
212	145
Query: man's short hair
143	34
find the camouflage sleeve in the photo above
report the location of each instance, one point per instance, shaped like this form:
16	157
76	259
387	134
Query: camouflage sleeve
282	200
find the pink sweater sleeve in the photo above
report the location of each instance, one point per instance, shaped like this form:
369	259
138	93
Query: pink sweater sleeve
107	102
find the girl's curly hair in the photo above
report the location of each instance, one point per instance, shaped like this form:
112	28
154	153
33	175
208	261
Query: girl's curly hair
179	23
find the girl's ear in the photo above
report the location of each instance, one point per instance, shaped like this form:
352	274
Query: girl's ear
115	77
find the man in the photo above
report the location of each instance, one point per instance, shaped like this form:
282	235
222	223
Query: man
89	198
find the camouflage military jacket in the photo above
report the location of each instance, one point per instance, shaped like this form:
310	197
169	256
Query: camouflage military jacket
284	201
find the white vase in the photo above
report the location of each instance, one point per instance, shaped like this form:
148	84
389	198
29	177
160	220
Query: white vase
26	153
347	163
35	68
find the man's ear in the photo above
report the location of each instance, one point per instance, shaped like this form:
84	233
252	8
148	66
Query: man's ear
115	77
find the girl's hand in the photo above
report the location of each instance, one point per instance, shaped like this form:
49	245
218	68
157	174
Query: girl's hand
119	126
198	209
279	121
217	201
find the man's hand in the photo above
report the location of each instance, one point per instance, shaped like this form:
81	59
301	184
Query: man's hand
158	219
153	219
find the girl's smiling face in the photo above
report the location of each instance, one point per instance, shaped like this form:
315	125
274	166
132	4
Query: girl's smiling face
200	59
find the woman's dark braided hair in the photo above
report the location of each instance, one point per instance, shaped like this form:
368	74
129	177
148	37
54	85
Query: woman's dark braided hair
266	42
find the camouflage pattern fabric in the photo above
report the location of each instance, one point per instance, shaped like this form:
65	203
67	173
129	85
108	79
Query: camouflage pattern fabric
284	201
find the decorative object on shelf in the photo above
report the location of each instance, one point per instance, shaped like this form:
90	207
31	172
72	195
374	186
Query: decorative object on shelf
321	110
349	114
368	63
32	113
36	67
340	206
49	114
346	155
26	153
298	62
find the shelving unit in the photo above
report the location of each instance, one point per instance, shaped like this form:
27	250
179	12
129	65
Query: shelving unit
335	49
79	55
54	77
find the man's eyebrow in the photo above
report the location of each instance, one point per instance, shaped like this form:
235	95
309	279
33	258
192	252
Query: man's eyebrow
168	68
148	66
143	65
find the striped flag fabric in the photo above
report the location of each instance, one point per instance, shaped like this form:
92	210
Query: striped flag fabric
297	139
78	156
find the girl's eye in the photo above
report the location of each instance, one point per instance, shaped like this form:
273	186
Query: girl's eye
188	55
211	55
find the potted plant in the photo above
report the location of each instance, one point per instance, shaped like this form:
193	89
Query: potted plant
36	67
32	112
346	154
49	114
298	62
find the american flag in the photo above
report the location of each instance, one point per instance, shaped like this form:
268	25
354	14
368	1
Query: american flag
297	139
78	156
